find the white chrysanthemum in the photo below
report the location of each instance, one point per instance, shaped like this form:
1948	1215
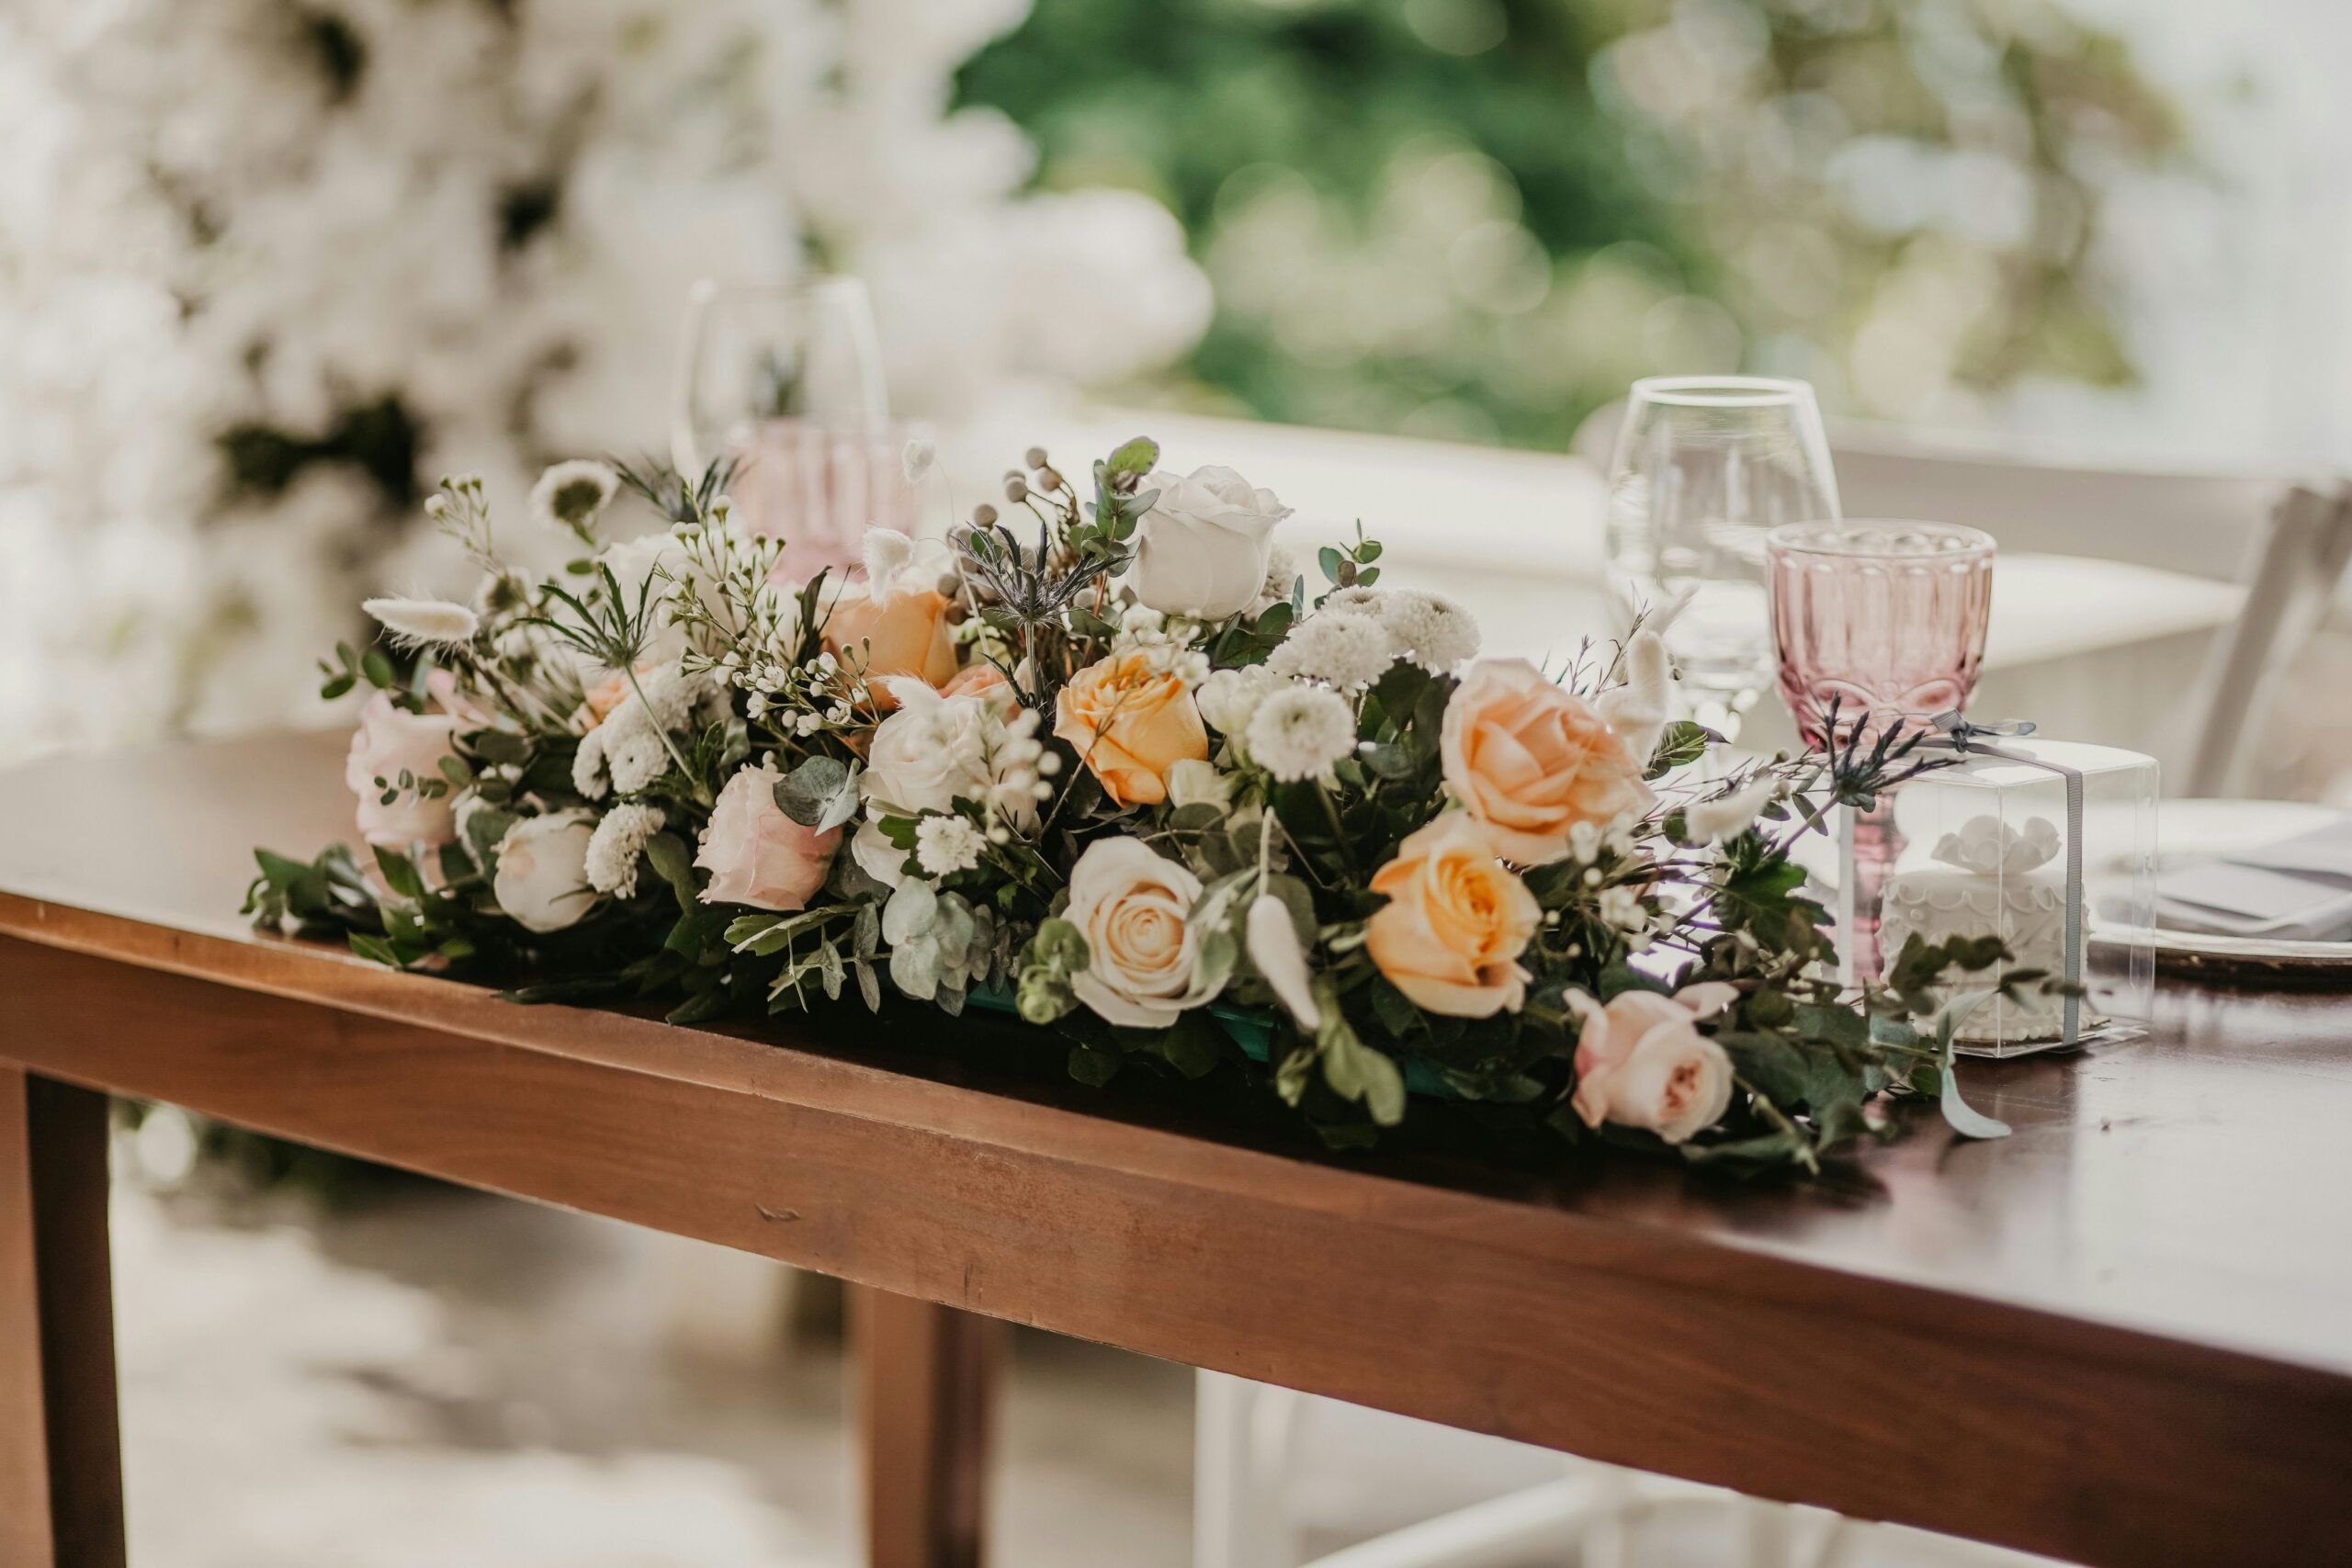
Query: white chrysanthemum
1282	572
1229	698
945	845
589	775
1347	650
425	623
616	846
1431	630
1358	600
636	760
1302	733
572	495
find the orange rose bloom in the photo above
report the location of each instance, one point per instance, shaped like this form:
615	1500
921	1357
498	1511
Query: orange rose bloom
1529	760
981	680
1131	724
904	633
1456	922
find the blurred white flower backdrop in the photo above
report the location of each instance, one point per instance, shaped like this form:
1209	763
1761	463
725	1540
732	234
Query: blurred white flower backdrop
267	267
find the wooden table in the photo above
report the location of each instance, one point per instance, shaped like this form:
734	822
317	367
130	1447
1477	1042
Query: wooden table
2123	1336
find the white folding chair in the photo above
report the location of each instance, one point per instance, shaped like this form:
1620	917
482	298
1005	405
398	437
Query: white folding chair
1247	1444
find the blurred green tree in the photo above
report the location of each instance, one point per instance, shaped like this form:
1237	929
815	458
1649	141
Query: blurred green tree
1479	218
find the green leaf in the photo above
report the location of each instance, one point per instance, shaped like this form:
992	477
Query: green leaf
1136	457
821	793
399	873
378	669
666	853
1093	1068
1683	742
1331	561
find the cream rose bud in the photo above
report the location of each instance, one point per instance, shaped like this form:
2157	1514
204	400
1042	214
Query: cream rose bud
1641	1062
930	752
1195	783
542	881
757	855
1134	911
1203	548
389	742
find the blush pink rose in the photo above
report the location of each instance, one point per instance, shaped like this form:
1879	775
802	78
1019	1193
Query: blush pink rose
756	854
388	742
1641	1063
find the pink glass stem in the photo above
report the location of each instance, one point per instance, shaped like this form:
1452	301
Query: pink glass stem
1879	626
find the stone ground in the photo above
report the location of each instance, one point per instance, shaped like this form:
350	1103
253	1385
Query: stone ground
440	1378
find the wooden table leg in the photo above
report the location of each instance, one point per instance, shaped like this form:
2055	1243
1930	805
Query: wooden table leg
60	1450
926	1380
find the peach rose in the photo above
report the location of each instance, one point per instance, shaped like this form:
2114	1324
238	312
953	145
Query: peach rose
1456	922
1135	910
1640	1063
388	742
756	854
1529	760
984	681
1131	724
901	631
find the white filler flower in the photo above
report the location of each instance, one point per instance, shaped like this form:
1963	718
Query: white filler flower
617	845
1302	733
1431	630
574	495
1347	650
945	845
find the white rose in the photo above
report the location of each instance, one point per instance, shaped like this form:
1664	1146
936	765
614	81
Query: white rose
929	753
542	880
1203	548
1195	783
1133	909
389	742
1228	699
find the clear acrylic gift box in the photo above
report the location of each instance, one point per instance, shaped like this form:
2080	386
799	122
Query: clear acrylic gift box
2049	845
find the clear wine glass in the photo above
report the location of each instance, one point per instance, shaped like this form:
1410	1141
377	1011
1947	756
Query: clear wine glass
786	380
1878	626
1704	468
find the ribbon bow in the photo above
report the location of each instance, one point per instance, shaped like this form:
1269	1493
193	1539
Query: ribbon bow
1960	731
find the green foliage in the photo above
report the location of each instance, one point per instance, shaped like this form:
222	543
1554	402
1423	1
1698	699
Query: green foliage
1481	218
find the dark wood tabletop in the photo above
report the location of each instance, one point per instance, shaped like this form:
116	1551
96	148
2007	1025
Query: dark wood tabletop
2121	1336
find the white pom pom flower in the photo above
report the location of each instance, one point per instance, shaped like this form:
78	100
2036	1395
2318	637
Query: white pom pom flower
615	847
945	845
1431	630
1302	733
1348	651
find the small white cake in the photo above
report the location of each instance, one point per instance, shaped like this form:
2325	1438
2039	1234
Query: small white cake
1989	880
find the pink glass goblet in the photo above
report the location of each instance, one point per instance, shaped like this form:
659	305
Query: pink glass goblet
1879	626
818	489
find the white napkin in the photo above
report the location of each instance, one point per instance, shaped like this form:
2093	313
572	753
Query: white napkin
2297	889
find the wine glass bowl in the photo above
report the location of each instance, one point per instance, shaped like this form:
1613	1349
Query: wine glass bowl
1705	467
784	382
1880	623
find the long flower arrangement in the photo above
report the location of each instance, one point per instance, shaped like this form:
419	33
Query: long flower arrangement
1125	771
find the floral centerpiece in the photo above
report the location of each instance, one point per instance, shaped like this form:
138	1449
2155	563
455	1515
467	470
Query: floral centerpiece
1121	768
